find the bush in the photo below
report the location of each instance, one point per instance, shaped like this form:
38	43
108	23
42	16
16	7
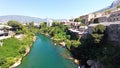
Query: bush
2	61
22	50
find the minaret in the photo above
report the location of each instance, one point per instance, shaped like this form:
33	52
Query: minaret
49	22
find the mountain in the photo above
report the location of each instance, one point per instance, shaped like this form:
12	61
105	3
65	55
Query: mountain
102	10
23	19
114	4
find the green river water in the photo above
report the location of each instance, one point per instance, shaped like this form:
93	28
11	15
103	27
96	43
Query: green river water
44	54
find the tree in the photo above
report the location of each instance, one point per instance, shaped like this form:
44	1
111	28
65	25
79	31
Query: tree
5	29
97	35
31	24
15	25
99	29
55	23
91	45
43	24
97	38
75	43
22	50
77	20
2	61
118	6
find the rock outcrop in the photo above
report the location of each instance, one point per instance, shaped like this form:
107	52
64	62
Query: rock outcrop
95	64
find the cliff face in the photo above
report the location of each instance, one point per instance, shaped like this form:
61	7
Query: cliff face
115	3
114	33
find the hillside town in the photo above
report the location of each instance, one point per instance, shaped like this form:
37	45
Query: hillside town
88	41
106	18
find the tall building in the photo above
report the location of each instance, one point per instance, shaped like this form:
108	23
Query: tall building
49	22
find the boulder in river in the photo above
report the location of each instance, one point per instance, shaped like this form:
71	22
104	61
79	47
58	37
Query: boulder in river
76	61
62	43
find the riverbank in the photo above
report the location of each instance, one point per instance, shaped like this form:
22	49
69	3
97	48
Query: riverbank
63	44
44	54
60	35
18	62
66	56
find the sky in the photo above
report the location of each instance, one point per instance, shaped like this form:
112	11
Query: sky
57	9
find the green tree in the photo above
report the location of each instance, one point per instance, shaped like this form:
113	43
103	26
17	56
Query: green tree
5	29
77	20
31	24
15	25
97	35
55	23
43	24
99	29
118	6
91	45
75	43
22	50
2	61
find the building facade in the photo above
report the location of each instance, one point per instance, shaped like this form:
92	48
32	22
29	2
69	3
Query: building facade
49	22
114	16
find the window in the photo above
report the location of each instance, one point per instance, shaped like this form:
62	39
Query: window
117	19
118	14
114	19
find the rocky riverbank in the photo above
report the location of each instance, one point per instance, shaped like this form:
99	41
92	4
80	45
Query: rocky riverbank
18	62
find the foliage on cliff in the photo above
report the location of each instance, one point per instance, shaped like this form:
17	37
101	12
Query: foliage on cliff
97	47
59	33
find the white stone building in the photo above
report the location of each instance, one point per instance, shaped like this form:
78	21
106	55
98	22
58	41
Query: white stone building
49	22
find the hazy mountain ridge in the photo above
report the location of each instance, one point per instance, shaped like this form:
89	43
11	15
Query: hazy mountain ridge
114	4
23	19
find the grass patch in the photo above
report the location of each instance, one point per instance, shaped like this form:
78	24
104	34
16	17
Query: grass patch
13	49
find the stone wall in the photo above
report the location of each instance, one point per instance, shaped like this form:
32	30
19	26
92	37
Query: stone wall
113	32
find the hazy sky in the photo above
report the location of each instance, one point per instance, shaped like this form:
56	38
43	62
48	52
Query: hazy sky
51	8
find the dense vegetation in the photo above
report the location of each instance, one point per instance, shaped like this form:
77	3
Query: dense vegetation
94	46
59	33
97	47
14	48
77	20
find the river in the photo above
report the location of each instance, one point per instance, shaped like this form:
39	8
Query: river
44	54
